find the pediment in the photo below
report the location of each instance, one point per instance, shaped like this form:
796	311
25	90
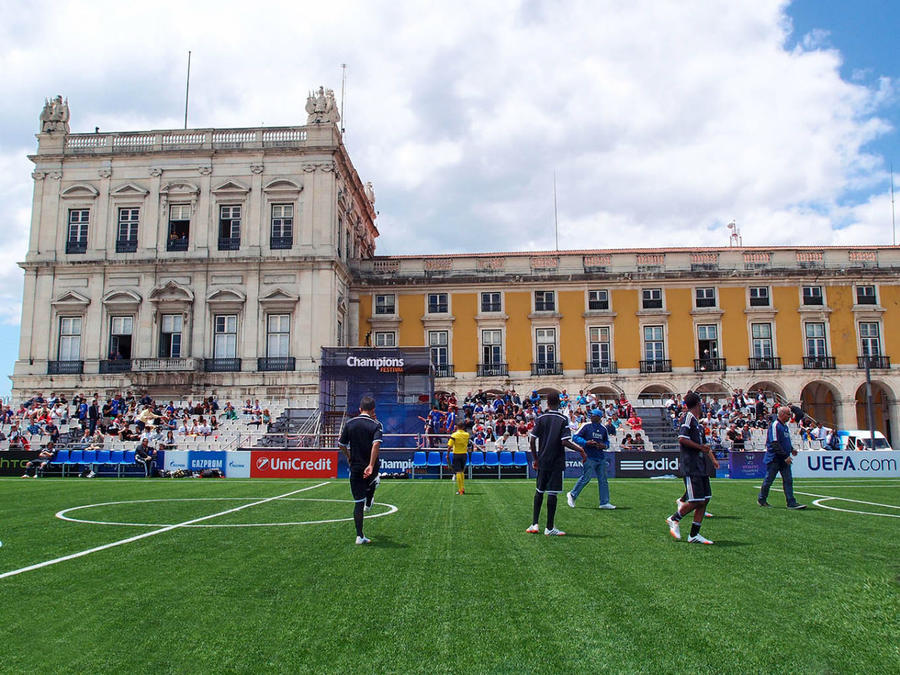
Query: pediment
231	187
71	299
226	295
171	291
180	188
282	185
121	297
80	191
130	190
278	296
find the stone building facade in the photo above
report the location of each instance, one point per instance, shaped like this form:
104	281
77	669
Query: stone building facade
188	262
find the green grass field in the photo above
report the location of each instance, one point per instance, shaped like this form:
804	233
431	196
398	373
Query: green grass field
450	584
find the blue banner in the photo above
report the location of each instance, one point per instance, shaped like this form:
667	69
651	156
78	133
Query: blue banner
746	465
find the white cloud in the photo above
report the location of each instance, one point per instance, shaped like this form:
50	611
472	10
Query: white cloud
663	121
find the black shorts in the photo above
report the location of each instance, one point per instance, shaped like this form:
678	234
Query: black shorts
359	486
550	481
459	461
697	488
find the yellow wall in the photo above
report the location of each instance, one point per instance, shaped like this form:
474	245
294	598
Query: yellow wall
626	337
682	341
789	331
365	312
465	355
572	341
411	332
518	330
842	343
889	298
734	341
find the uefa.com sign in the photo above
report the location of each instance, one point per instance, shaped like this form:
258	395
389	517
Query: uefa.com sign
830	464
286	464
384	364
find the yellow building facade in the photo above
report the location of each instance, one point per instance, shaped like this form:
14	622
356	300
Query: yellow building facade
801	323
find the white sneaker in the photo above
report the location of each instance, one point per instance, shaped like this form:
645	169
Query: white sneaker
555	532
92	474
607	506
570	499
367	507
707	515
363	540
674	528
533	529
699	539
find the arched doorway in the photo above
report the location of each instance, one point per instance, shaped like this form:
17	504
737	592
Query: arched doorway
713	390
882	399
654	395
606	393
818	400
770	389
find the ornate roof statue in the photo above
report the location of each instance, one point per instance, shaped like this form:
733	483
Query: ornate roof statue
321	107
55	115
370	192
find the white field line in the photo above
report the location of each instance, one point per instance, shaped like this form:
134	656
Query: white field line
138	537
825	498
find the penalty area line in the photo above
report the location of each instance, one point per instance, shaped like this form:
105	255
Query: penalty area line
145	535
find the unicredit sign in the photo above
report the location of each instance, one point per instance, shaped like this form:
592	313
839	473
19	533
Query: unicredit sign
293	464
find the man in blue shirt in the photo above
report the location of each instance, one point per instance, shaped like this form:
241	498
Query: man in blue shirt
779	455
594	438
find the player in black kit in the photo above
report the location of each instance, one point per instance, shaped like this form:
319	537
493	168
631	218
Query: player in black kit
360	441
695	454
552	434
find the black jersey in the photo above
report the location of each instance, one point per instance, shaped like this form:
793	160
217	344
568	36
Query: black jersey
693	462
550	430
359	434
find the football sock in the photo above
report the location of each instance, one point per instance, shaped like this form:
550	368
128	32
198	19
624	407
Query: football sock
538	501
461	481
695	528
551	510
358	517
675	516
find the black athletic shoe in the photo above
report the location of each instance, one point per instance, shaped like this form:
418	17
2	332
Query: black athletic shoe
764	504
797	507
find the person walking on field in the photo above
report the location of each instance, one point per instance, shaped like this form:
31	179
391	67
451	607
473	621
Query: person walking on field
779	456
594	438
360	442
552	436
695	454
459	454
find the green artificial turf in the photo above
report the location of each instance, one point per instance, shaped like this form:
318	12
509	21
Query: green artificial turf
450	584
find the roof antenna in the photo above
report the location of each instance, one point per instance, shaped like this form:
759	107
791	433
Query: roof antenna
187	89
555	212
735	238
893	220
343	85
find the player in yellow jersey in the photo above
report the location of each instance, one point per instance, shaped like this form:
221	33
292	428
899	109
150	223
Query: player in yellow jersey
458	455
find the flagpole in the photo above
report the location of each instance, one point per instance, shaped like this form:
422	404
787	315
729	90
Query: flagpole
187	89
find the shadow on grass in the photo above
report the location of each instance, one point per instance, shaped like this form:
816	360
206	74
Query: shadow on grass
720	543
387	542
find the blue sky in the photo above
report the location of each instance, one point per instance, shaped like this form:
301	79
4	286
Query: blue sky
661	120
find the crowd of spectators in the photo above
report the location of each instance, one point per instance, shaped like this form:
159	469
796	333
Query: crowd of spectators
92	421
499	421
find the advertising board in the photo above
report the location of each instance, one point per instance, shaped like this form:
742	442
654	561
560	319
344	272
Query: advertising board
293	464
746	465
830	464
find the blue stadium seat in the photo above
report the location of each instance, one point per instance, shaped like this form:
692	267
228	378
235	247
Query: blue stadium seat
491	459
115	456
88	456
434	458
520	458
419	459
62	458
506	458
74	457
103	457
129	457
477	458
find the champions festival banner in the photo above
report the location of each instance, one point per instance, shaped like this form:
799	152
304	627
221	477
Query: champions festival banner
746	465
